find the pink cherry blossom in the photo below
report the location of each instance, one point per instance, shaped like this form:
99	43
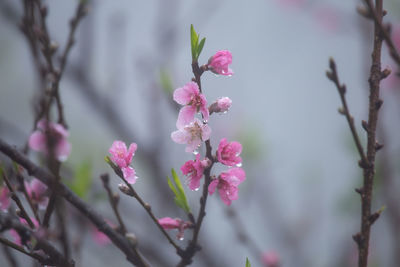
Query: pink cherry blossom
122	156
192	135
219	62
168	223
228	153
227	184
37	192
270	259
57	132
194	170
189	95
4	198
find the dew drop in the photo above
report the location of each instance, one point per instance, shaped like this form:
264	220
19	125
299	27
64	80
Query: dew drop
195	152
205	121
181	238
197	189
239	165
230	75
225	112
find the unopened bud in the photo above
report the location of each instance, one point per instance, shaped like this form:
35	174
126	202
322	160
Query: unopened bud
132	239
221	105
125	189
53	47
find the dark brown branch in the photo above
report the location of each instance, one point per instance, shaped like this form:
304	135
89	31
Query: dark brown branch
193	247
46	177
54	256
374	105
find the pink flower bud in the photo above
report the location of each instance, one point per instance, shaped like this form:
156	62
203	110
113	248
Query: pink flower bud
4	198
168	223
219	63
221	105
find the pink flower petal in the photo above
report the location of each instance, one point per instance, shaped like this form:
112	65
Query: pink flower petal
63	149
184	94
37	141
213	185
186	116
129	174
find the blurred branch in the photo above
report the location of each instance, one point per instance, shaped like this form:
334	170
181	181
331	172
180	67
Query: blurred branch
47	178
241	233
55	257
10	256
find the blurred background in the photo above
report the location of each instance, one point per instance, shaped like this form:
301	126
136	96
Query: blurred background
301	163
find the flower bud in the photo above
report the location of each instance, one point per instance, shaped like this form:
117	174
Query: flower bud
125	189
132	239
221	105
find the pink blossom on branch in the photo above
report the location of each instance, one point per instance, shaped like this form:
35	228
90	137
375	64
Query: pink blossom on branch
219	63
122	156
192	135
228	153
189	95
227	184
57	133
194	169
4	198
168	224
37	192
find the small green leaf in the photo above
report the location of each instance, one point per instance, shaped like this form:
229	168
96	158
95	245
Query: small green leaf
194	41
248	262
200	47
82	180
177	189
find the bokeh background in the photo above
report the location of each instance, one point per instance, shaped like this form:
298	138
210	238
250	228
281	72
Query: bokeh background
298	200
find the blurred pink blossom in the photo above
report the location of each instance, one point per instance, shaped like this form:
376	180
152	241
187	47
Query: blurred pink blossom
219	63
189	95
122	156
228	153
37	192
192	135
270	259
194	169
4	198
14	234
327	18
227	184
168	223
37	140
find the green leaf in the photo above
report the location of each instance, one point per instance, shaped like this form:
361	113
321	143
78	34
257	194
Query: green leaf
177	188
194	41
248	262
200	47
82	181
166	82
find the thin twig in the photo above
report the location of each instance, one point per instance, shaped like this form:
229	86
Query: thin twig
47	178
333	76
113	201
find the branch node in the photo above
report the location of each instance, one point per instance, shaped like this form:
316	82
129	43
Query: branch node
342	111
359	190
378	146
378	103
358	239
364	124
363	164
385	73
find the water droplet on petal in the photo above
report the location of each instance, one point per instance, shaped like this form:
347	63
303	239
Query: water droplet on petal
239	164
225	112
181	238
197	189
195	152
136	177
230	75
205	121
